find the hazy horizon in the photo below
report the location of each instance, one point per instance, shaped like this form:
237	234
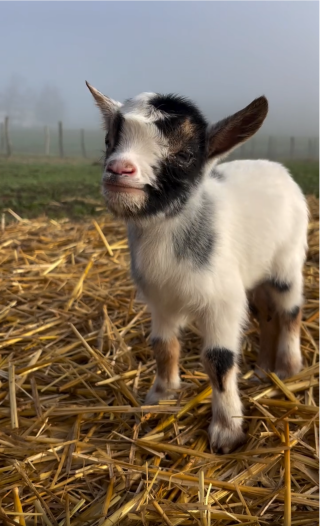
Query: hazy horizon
220	54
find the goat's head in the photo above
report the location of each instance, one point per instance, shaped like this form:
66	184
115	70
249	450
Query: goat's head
157	147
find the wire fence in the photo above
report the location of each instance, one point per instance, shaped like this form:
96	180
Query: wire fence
72	143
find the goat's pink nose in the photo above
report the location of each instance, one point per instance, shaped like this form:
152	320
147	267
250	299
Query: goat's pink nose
121	167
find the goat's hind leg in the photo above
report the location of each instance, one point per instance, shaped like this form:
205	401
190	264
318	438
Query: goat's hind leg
287	297
264	310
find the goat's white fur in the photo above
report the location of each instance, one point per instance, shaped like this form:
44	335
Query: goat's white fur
259	221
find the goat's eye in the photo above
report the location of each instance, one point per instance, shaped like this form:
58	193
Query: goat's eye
184	157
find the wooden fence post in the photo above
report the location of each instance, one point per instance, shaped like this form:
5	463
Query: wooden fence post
47	140
310	149
292	147
270	147
253	143
83	146
1	137
61	140
7	137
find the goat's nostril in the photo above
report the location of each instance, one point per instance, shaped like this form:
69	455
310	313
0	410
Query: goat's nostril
121	168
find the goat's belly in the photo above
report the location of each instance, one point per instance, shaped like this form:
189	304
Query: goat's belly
179	291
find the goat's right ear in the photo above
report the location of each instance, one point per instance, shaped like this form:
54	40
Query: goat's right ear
229	133
106	105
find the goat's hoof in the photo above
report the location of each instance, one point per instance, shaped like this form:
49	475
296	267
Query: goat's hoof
287	369
260	375
154	396
224	440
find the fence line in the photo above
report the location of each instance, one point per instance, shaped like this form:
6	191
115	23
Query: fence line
61	142
61	149
83	145
7	139
47	140
1	137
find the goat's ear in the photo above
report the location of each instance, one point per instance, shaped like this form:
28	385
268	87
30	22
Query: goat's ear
229	133
106	105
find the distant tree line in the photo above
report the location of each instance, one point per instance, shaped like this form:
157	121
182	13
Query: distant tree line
26	106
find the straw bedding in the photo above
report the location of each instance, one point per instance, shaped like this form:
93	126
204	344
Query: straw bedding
76	445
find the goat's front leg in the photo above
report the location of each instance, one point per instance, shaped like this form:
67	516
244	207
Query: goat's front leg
166	348
222	327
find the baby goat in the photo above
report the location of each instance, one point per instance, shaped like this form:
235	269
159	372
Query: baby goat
207	241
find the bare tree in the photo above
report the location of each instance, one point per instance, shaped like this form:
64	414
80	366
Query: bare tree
49	106
17	100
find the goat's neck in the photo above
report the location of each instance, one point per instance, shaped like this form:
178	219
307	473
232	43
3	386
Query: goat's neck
161	223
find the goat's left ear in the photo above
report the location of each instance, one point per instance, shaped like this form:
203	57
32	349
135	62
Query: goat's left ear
106	105
229	133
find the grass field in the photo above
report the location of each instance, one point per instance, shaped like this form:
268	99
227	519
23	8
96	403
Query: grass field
36	186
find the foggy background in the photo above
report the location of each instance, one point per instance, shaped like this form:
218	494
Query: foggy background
220	54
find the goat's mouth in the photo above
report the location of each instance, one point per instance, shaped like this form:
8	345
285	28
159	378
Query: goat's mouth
124	200
123	188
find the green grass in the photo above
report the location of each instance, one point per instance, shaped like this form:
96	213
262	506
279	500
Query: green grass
35	187
306	173
71	188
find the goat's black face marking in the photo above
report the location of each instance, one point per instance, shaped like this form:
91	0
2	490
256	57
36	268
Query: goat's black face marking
176	106
113	135
183	125
195	242
220	361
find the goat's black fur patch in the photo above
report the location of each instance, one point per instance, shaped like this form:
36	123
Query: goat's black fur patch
292	315
221	360
176	106
253	309
185	127
195	240
176	180
280	286
133	237
215	174
114	134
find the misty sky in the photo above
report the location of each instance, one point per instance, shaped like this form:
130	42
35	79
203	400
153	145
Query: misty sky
221	54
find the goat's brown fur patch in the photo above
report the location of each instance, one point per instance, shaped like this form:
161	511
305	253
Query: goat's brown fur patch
167	358
180	135
289	362
187	128
269	324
